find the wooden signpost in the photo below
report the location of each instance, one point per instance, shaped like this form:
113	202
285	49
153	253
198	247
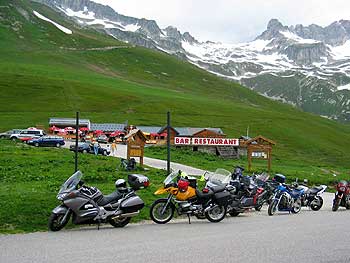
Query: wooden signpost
136	141
259	148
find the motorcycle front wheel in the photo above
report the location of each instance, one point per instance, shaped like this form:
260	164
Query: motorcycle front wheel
216	214
120	222
272	208
160	215
56	223
336	203
317	203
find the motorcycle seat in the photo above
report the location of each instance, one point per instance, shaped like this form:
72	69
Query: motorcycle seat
316	189
202	195
109	198
218	188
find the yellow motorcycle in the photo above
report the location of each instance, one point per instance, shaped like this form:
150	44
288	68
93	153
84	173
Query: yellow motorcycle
184	198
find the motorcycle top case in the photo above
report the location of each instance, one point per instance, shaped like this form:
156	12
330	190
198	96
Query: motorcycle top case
280	178
222	198
138	181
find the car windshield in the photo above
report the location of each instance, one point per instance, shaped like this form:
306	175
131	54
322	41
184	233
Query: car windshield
71	183
170	178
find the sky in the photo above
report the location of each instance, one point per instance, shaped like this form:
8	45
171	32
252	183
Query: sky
231	21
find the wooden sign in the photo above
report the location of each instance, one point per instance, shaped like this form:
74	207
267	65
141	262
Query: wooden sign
136	141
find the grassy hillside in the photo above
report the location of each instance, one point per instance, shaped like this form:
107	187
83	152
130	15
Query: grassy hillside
45	72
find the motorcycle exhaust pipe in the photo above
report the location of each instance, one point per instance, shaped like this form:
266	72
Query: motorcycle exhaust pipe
126	215
209	208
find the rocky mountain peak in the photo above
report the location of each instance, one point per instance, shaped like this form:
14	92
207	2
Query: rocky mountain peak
273	30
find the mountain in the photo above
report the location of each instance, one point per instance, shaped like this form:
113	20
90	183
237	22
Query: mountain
305	66
52	66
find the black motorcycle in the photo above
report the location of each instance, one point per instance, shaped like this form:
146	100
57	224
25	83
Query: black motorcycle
87	205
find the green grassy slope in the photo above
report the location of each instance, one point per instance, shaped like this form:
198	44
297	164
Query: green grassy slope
45	72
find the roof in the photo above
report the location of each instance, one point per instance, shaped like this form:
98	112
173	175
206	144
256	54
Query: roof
149	129
107	127
262	138
68	121
134	132
188	131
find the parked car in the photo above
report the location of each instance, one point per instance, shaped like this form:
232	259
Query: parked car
102	139
8	134
28	133
54	141
89	148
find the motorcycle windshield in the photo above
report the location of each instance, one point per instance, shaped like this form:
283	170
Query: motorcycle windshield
170	178
71	183
220	176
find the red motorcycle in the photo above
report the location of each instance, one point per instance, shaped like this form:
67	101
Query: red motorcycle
342	196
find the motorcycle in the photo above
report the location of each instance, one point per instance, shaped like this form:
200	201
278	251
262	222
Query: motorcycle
87	205
285	198
312	196
184	198
342	196
252	193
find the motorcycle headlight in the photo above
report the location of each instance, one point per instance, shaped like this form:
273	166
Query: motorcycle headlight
61	196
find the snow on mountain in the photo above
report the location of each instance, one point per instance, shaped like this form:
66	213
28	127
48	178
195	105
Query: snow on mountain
62	28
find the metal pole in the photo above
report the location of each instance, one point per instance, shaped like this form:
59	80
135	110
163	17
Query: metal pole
76	141
168	141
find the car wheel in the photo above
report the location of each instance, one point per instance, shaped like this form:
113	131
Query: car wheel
105	153
36	144
58	145
85	151
14	139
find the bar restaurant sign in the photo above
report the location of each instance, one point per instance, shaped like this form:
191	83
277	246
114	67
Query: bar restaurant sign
206	141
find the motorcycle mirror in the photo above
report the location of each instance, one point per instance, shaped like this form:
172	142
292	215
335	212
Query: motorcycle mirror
306	181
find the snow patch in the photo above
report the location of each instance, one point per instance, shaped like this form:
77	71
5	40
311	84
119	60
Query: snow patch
344	87
62	28
341	52
298	39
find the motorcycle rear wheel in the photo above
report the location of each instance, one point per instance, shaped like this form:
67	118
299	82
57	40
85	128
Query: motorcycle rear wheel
318	205
336	203
55	222
157	207
272	208
216	214
119	222
296	208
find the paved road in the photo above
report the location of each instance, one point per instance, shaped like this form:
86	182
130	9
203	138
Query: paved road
155	163
321	236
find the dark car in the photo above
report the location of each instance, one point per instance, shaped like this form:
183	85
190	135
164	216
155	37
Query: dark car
8	134
102	139
89	148
54	141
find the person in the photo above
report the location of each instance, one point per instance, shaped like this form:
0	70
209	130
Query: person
96	147
114	148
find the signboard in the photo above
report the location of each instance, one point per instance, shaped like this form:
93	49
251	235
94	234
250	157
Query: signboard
206	141
259	155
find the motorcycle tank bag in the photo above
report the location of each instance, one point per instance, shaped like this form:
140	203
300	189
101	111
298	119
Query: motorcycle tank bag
280	178
138	181
222	198
132	204
183	185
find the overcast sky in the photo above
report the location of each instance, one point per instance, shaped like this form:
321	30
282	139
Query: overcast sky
232	21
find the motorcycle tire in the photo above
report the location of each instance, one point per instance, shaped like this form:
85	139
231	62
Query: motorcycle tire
55	223
347	206
120	222
234	213
272	208
156	207
296	208
318	206
258	208
336	203
216	214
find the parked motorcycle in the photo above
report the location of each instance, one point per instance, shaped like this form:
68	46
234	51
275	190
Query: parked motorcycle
312	196
184	198
285	198
87	204
342	196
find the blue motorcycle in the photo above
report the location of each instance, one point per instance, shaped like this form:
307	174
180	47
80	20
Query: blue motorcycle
285	198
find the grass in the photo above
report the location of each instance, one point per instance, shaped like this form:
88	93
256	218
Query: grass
31	177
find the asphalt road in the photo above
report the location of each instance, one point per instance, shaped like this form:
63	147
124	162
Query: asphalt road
310	236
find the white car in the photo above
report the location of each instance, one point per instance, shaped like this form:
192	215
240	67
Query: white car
32	133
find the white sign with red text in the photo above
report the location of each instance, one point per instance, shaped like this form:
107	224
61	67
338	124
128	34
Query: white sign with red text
206	141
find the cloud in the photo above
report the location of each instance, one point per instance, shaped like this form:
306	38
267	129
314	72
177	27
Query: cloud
231	21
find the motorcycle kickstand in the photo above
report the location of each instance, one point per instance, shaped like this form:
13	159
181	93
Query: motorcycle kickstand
189	219
98	224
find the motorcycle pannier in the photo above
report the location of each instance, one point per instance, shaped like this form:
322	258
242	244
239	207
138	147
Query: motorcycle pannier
138	181
280	178
222	198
